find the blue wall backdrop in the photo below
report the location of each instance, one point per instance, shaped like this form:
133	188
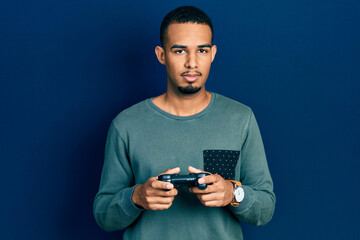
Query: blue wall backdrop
68	68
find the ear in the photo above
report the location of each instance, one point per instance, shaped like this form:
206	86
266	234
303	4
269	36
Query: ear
160	54
213	52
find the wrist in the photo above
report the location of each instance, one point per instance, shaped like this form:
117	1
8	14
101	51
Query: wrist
238	193
231	192
135	198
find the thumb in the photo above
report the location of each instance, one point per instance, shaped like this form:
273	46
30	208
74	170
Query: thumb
194	170
171	171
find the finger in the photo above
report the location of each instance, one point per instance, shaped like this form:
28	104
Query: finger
171	171
211	197
160	200
161	185
209	189
159	206
209	179
161	193
194	170
212	203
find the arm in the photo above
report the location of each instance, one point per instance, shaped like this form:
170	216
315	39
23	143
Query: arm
258	205
151	194
118	202
113	208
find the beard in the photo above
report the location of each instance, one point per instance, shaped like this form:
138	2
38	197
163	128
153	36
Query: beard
190	89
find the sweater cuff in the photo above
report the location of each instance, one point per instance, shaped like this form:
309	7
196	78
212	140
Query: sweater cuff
246	203
127	204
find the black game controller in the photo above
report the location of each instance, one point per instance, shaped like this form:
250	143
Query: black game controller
190	180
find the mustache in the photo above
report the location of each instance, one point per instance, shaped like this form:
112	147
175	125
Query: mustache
192	73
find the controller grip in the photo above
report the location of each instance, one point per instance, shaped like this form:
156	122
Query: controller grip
165	178
202	186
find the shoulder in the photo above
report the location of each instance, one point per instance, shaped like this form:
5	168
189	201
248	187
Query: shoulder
232	106
130	116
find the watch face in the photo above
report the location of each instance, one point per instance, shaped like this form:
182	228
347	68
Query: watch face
239	194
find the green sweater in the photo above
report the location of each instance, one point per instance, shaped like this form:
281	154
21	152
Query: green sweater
144	141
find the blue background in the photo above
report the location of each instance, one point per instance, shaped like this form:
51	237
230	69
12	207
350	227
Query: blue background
68	68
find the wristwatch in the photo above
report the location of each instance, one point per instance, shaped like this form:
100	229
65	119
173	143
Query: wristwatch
238	193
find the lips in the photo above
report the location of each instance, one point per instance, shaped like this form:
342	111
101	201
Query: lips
191	77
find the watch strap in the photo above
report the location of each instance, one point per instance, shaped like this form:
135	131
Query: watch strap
233	202
236	182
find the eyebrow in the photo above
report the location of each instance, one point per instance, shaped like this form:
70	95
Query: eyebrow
182	46
205	46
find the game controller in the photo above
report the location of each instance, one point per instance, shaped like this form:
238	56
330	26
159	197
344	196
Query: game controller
190	180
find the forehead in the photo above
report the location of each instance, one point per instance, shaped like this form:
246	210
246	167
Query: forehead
188	34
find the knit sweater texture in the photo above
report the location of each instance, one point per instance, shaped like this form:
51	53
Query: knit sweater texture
144	141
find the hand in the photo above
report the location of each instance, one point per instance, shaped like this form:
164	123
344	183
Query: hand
218	194
151	194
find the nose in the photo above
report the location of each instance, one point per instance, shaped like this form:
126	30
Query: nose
191	61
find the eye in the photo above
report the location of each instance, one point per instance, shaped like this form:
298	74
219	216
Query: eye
202	51
180	51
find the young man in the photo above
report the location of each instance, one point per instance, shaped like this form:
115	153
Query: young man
190	130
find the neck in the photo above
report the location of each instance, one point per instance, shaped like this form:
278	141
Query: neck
183	105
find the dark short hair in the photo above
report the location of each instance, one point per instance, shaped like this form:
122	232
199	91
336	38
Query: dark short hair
185	14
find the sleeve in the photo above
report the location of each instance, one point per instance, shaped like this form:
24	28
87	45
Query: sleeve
113	208
258	205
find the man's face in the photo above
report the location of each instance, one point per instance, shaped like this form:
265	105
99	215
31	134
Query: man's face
188	55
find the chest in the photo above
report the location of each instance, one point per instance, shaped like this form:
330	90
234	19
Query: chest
207	146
